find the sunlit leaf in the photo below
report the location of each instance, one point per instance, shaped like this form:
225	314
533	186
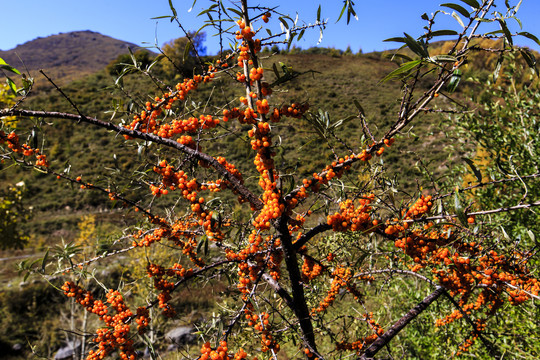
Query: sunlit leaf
444	58
9	68
405	68
12	86
458	19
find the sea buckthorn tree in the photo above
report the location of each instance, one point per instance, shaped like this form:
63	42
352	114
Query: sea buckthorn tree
308	258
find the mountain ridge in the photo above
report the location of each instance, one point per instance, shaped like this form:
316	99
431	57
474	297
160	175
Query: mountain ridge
66	56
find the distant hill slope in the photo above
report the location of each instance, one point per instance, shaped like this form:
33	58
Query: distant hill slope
66	56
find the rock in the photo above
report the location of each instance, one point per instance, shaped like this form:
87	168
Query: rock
67	352
181	335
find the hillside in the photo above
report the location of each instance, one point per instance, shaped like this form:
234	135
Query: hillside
66	56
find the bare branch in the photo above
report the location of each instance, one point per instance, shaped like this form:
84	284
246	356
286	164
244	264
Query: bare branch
235	183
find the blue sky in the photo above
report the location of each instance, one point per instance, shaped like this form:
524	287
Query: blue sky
131	20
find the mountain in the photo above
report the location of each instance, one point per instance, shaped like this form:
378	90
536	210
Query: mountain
66	56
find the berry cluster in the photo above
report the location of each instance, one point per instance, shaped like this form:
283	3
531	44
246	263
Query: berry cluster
352	218
341	279
12	140
116	334
363	343
310	269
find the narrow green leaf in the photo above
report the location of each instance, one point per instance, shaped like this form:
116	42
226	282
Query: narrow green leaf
518	21
301	34
284	22
518	6
442	33
237	12
507	33
415	46
397	55
529	36
457	201
495	32
529	59
191	8
174	10
395	39
505	234
531	235
477	173
276	72
205	11
408	66
161	17
350	11
187	49
458	19
342	11
44	261
268	31
10	68
341	122
460	9
497	69
499	165
444	58
472	3
12	86
291	38
34	136
459	210
200	245
319	13
454	81
223	8
359	107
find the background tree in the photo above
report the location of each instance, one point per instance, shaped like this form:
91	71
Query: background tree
300	255
182	53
